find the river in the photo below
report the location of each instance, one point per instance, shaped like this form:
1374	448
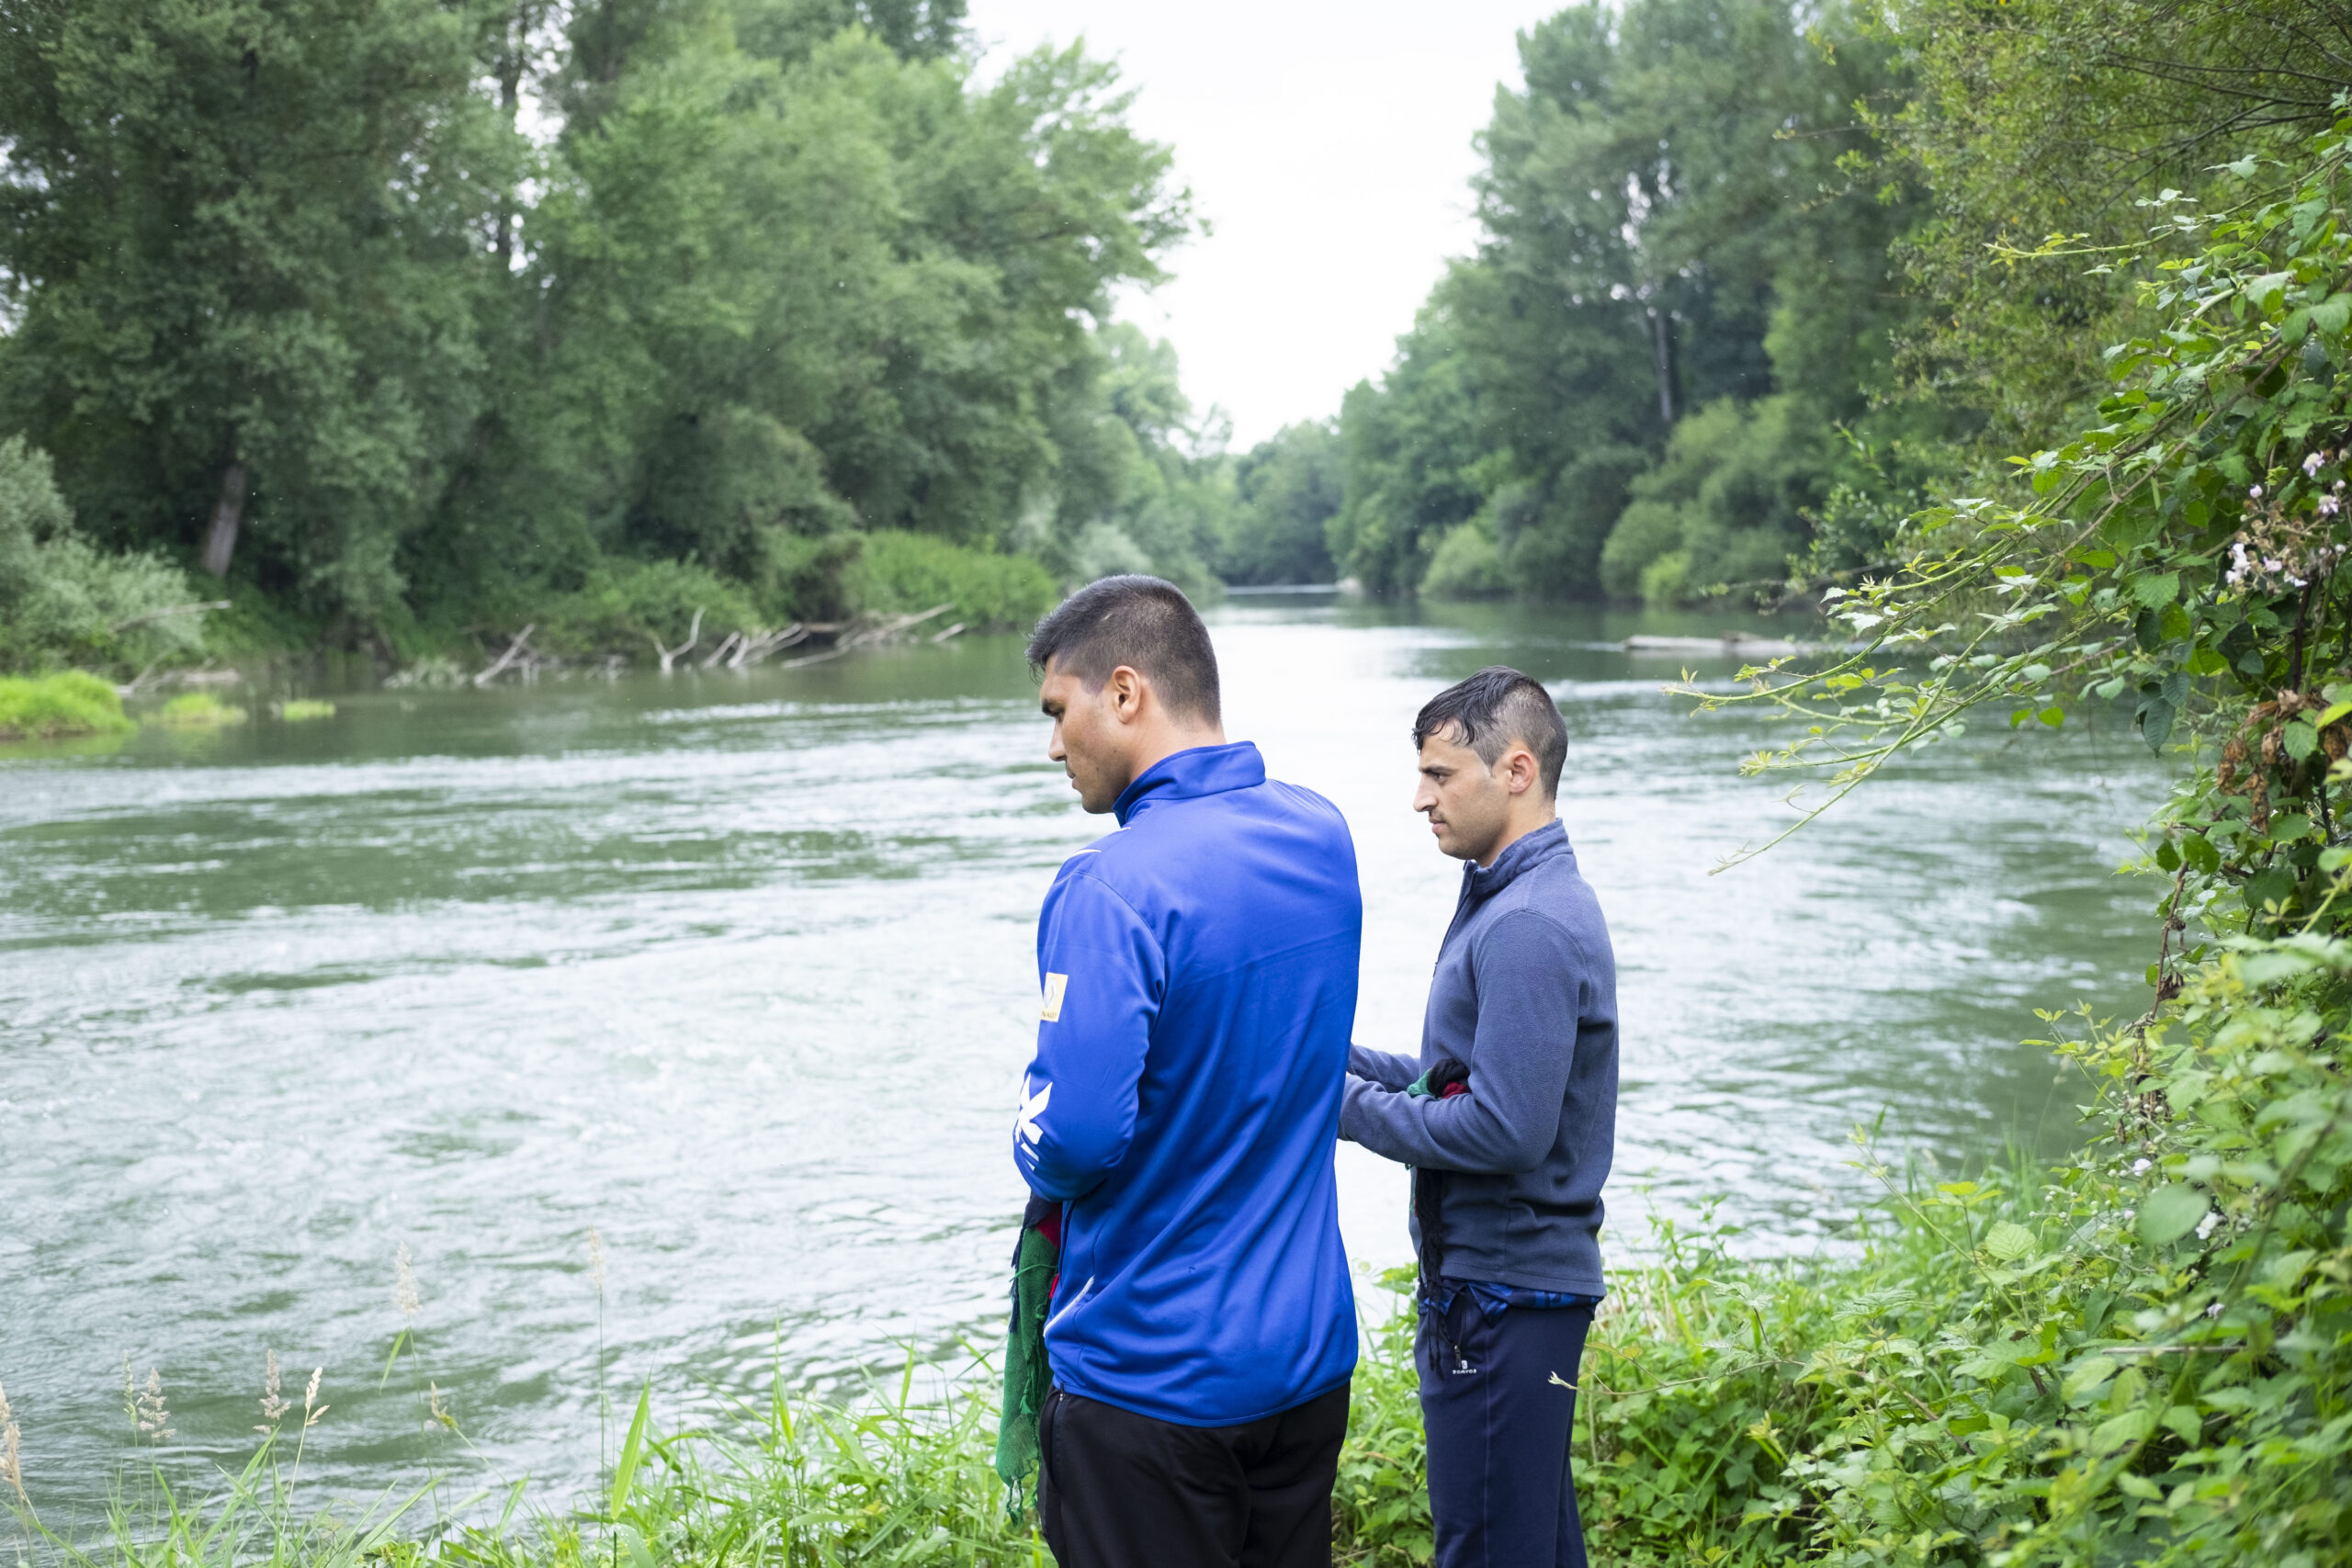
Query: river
736	972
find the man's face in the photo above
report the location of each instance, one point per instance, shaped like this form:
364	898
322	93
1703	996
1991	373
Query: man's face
1088	741
1467	803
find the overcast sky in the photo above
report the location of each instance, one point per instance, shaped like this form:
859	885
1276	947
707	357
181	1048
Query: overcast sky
1329	146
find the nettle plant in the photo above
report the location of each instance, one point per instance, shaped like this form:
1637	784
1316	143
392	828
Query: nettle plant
2155	1368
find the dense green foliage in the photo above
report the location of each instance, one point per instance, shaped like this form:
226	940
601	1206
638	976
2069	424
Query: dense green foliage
1758	279
64	601
1685	271
411	315
2156	1366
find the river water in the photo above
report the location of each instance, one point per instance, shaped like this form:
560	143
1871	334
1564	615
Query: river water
736	972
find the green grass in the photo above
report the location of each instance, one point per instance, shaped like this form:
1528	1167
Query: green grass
199	710
47	708
303	710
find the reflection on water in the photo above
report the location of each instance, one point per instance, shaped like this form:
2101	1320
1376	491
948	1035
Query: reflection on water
736	969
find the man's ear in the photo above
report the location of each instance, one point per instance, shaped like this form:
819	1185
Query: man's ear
1520	770
1124	688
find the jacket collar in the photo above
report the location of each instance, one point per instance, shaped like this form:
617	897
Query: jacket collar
1201	770
1547	842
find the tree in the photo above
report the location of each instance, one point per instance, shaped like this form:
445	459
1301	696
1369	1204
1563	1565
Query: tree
1286	490
244	240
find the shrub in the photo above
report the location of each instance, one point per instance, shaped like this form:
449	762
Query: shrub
199	710
48	707
624	606
302	710
64	600
1467	565
900	573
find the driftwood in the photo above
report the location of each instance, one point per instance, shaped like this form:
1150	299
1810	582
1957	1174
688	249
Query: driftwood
874	634
1742	644
669	655
758	646
950	632
202	675
729	640
515	650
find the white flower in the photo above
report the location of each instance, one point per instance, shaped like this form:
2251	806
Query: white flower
2139	1167
2328	505
2312	463
2213	1311
2255	491
2205	1226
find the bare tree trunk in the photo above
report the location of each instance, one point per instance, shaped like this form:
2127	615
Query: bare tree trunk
510	95
220	539
1662	355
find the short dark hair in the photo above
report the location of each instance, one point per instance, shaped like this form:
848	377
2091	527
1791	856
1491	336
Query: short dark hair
1495	707
1145	623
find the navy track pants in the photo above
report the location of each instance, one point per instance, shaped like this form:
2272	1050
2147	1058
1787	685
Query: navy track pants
1501	1492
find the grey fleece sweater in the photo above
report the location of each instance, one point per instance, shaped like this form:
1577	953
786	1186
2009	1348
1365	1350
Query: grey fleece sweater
1526	995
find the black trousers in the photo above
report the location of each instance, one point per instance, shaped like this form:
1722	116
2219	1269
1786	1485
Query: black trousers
1119	1490
1496	1405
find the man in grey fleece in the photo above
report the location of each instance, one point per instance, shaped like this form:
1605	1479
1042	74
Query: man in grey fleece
1509	1118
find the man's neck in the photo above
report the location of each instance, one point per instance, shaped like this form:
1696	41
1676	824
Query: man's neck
1170	740
1514	833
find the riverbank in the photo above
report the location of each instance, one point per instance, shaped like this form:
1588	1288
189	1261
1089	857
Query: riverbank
1942	1391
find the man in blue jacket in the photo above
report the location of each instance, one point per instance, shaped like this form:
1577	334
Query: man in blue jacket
1198	975
1509	1120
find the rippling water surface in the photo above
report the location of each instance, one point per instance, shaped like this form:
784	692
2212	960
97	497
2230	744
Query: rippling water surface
736	970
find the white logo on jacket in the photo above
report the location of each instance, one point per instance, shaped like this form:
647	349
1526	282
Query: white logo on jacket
1026	1131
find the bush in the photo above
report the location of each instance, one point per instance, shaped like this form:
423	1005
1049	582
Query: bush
64	600
1467	565
900	573
49	706
624	606
1732	494
199	710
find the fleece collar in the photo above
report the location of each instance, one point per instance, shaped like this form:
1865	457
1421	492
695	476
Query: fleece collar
1201	770
1482	882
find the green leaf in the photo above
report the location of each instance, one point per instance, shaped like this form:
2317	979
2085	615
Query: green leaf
632	1449
2088	1375
2299	741
2170	1212
2123	1431
2185	1424
2157	588
2009	1241
2052	715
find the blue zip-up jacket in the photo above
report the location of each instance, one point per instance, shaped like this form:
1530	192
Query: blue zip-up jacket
1199	976
1525	996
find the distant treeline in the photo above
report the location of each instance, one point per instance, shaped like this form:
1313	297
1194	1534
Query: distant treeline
1749	286
407	320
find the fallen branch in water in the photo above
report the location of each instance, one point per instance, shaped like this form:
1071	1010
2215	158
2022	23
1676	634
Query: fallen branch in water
513	651
669	655
871	635
755	648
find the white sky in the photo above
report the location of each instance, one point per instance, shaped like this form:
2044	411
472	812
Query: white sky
1328	143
